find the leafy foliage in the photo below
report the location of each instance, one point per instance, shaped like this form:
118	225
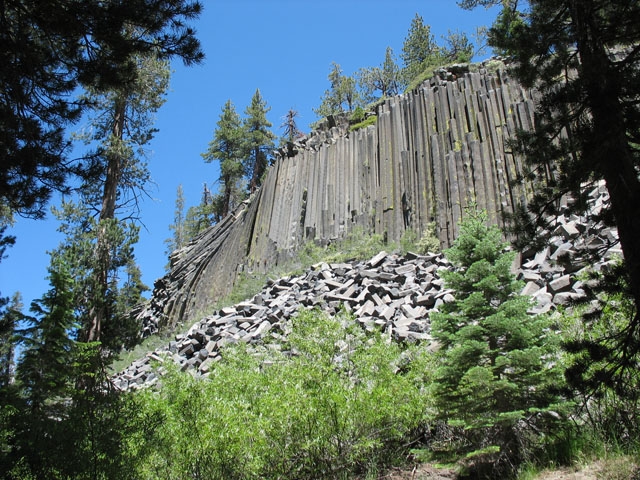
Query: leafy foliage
427	242
333	401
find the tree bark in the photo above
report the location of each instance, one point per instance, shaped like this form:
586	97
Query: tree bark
115	161
608	151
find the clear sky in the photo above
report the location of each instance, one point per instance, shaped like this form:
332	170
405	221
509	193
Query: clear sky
282	47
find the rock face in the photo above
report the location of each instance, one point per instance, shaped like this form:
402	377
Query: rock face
431	152
390	293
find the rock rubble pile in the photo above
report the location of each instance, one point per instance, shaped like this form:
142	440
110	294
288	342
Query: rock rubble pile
391	293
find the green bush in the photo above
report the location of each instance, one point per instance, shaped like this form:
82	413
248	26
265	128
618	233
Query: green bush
607	381
358	115
371	120
428	242
330	402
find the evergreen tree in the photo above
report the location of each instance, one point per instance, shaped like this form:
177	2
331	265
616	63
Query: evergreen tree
341	97
259	140
49	50
457	48
10	314
8	325
46	358
227	148
582	57
290	126
386	79
203	215
497	373
122	126
43	373
179	238
419	49
69	423
123	283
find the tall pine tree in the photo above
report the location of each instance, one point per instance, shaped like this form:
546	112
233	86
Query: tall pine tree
227	147
386	79
49	51
259	140
419	48
342	95
583	58
44	372
122	127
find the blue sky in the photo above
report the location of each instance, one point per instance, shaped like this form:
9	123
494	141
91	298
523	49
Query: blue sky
283	47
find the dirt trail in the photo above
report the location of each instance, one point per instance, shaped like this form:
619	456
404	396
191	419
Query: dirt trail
622	468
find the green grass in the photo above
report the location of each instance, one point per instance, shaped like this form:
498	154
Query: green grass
371	120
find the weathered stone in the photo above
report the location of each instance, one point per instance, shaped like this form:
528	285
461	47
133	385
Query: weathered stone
560	284
375	261
530	288
567	231
427	300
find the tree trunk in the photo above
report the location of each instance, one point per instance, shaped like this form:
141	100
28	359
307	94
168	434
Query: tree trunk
608	151
109	199
258	170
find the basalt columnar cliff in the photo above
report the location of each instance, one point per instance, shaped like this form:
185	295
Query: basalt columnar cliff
431	152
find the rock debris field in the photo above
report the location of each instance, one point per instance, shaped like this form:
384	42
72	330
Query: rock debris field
392	293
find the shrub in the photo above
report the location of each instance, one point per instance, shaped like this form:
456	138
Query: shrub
608	381
428	242
371	120
330	401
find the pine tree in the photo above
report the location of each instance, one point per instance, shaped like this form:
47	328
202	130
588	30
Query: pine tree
227	148
419	49
582	57
78	252
341	97
116	173
290	126
202	216
457	48
46	358
8	325
259	140
10	314
69	423
386	79
43	374
497	373
179	238
49	51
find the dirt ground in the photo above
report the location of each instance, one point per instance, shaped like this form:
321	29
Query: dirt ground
616	469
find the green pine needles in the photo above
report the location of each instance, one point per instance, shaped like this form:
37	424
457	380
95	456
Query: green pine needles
499	372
